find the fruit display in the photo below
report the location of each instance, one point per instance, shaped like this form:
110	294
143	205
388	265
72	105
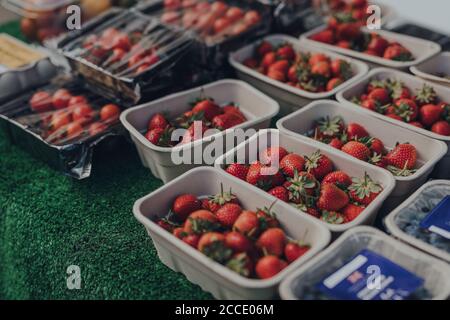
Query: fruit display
250	243
356	9
212	21
204	115
63	115
353	139
344	30
421	108
128	48
312	72
310	184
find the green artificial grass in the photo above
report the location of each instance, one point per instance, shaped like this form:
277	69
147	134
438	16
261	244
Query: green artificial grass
49	222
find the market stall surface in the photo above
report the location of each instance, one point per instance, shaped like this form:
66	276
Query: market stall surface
49	222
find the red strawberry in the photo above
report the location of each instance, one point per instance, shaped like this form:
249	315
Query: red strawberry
351	212
430	114
268	59
212	245
329	128
417	124
394	116
357	149
326	36
237	242
426	95
255	176
356	131
208	108
442	128
263	48
166	225
238	170
398	53
272	241
336	143
267	218
341	68
403	156
286	52
406	109
184	205
241	263
376	145
370	104
348	31
292	163
247	223
303	187
201	221
334	83
235	110
195	132
378	44
228	214
293	251
219	200
379	94
179	233
332	217
273	155
280	193
158	121
227	120
160	137
269	266
332	198
281	66
339	178
251	63
192	240
318	165
365	190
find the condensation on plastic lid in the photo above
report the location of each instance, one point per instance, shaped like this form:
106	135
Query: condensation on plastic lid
36	5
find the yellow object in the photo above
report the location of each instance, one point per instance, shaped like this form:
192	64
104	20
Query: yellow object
15	54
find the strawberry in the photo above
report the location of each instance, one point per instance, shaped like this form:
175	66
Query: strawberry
365	190
303	188
356	131
407	109
339	178
332	217
269	266
375	145
341	69
219	200
329	128
403	156
292	163
417	124
398	90
351	212
430	114
378	160
336	143
268	59
263	48
293	251
318	57
238	170
167	225
348	31
192	240
334	83
267	218
322	69
241	263
256	178
370	104
442	128
309	210
201	221
237	242
194	132
397	52
326	36
179	233
286	52
357	149
280	65
280	193
251	63
228	214
231	108
247	223
378	44
160	137
394	116
184	205
332	198
273	155
227	120
212	245
380	94
426	95
158	121
272	241
374	84
207	108
318	165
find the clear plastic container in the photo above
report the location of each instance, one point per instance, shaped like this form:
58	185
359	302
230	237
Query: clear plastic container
250	150
221	282
442	170
436	69
257	107
403	222
290	98
300	285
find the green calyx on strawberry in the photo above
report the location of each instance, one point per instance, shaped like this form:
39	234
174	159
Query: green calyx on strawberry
398	90
186	121
365	190
426	95
330	127
241	264
318	165
303	188
217	251
222	198
332	217
398	172
267	218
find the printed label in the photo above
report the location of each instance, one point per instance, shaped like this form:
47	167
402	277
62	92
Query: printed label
438	220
